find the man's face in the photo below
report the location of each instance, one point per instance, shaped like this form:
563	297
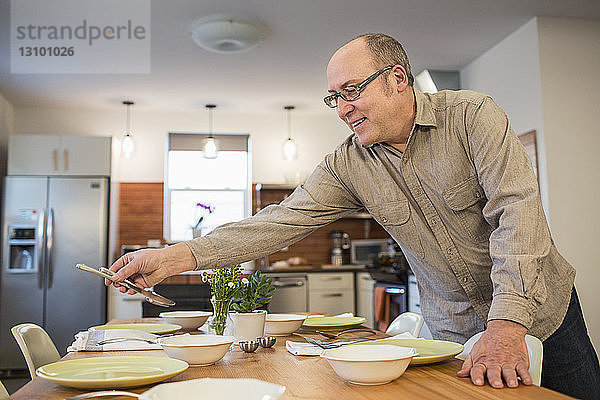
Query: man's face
371	117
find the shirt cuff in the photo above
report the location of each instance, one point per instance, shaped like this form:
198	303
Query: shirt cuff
204	253
512	308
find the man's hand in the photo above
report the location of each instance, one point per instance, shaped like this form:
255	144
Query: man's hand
501	352
147	267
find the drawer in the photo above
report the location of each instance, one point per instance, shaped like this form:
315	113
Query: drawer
331	281
331	301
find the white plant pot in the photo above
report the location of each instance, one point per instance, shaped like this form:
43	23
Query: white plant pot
248	326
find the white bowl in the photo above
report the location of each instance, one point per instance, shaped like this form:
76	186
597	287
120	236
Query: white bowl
369	364
186	319
211	388
283	324
197	349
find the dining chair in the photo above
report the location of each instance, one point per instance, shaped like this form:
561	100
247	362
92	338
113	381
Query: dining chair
37	347
3	392
535	350
406	322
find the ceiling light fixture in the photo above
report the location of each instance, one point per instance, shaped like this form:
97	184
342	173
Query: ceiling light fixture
226	34
210	146
128	144
290	150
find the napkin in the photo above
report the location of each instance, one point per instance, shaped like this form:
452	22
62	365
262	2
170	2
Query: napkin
308	349
88	340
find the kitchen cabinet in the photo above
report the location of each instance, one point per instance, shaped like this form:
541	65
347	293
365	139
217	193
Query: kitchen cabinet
364	298
59	155
331	293
414	304
290	293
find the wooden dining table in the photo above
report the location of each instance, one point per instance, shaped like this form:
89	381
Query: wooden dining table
307	377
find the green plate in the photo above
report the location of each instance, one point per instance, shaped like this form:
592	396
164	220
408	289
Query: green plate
332	322
111	372
158	329
430	351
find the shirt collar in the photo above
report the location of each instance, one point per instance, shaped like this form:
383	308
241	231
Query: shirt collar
424	115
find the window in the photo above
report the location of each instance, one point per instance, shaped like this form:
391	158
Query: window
221	183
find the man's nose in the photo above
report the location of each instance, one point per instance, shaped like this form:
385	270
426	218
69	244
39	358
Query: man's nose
343	108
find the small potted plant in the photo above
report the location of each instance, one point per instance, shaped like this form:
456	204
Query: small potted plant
224	283
253	292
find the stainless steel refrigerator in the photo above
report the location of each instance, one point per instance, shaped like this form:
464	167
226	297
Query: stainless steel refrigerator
49	225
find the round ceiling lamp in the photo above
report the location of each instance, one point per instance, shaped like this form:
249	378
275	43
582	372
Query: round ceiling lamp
223	34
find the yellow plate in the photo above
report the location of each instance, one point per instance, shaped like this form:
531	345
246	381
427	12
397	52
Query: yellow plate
332	322
430	351
111	372
158	329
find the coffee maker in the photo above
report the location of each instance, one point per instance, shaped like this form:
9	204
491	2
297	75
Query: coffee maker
340	253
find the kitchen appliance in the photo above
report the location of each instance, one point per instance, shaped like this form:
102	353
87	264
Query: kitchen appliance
363	251
291	294
50	224
340	253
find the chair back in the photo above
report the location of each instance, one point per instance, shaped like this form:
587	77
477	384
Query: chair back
535	351
3	392
37	347
406	322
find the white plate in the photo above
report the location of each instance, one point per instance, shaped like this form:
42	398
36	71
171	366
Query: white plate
187	319
212	388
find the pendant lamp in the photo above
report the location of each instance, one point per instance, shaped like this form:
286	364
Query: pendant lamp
128	144
290	150
210	145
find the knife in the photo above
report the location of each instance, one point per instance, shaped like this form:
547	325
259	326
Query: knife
151	296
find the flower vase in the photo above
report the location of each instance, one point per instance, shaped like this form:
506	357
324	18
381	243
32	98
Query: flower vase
248	326
220	313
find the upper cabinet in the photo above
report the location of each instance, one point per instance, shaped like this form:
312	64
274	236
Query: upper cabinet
59	155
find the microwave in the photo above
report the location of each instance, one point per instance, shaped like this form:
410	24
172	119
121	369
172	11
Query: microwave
363	250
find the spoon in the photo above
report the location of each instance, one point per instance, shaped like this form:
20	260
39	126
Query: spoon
104	393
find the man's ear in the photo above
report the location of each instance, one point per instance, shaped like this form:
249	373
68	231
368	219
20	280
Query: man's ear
400	78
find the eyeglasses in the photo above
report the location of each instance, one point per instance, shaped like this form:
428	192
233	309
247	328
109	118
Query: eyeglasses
352	92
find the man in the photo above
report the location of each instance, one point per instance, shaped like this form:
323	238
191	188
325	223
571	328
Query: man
449	180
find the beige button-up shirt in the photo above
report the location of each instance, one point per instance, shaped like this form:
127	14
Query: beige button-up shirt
462	202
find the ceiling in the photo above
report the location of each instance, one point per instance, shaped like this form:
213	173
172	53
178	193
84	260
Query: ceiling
288	67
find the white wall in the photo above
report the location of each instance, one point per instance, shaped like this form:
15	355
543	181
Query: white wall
6	129
544	75
570	61
510	73
316	135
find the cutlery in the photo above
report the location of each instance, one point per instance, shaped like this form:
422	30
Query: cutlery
118	340
334	345
335	336
149	294
104	393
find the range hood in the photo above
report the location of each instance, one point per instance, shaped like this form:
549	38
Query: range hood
431	81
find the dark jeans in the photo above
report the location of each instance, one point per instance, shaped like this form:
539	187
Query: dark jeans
570	364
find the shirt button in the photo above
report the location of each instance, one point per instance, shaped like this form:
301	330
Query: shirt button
477	194
465	279
384	219
450	251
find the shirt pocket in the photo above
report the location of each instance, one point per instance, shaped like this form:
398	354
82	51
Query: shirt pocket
394	216
466	200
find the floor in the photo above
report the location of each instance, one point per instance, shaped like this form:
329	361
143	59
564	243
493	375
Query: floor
15	381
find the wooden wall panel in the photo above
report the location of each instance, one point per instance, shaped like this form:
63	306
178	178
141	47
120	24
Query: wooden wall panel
140	213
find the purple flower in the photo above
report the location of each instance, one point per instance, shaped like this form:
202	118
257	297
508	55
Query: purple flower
204	206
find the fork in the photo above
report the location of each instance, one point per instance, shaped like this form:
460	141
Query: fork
102	394
335	345
122	339
335	336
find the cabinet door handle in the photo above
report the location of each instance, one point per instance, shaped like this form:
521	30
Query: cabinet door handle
66	159
55	159
333	295
332	278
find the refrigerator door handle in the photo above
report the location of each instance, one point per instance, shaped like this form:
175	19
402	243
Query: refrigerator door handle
41	241
50	246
